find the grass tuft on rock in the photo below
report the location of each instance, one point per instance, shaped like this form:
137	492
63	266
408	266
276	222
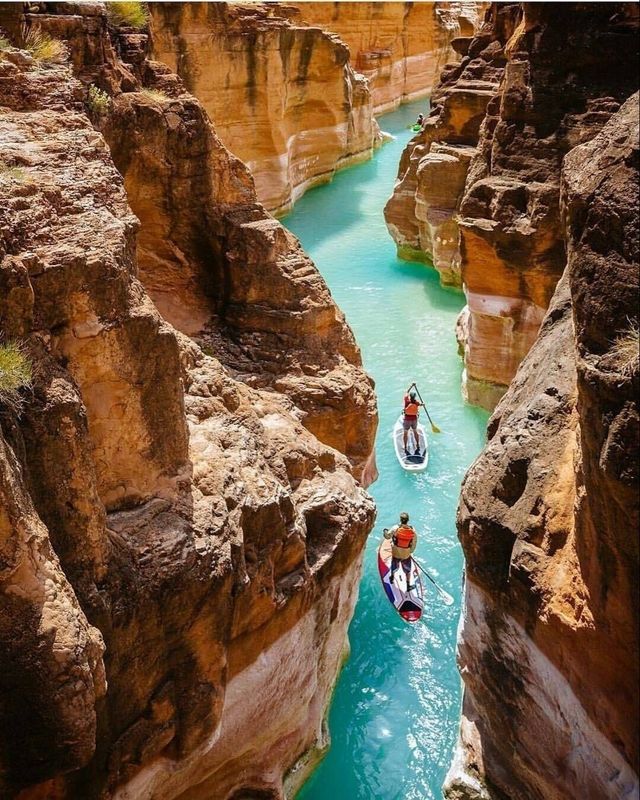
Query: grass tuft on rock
9	173
98	102
5	44
15	374
155	94
133	15
625	352
44	48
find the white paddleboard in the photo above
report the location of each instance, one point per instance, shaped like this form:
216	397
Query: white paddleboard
411	462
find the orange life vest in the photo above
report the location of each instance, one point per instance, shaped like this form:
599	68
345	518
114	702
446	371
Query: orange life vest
411	409
403	537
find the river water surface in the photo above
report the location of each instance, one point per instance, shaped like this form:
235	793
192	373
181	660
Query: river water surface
394	716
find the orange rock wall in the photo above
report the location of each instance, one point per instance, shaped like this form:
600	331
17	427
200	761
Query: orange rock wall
478	190
548	645
422	212
282	96
400	48
173	531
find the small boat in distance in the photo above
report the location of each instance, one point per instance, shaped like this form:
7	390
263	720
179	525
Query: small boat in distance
411	462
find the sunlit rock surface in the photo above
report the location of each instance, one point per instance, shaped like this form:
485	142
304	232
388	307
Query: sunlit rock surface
478	191
399	47
282	95
179	549
548	644
422	212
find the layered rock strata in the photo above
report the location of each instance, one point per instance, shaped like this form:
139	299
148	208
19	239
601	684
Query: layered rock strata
548	646
400	48
284	99
215	264
173	533
489	217
422	212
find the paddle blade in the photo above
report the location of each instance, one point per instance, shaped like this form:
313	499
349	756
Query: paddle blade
445	597
435	428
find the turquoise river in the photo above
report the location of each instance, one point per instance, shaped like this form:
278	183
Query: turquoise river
394	715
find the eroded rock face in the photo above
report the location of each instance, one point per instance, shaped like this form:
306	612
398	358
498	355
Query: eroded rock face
548	646
422	212
282	95
565	74
215	264
399	47
531	85
175	536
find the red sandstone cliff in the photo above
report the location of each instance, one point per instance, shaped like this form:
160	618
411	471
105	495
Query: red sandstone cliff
282	95
179	518
478	191
548	646
422	212
297	84
399	47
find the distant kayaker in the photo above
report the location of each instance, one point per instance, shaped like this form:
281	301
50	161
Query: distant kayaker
410	419
420	120
404	540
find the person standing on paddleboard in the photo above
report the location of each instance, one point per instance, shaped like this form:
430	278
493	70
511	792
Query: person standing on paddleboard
410	420
404	540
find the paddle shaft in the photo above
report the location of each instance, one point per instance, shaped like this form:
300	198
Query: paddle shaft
423	404
444	595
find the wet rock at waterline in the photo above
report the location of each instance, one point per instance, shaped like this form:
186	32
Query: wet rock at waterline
400	48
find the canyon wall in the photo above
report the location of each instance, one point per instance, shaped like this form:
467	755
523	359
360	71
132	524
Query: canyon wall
181	518
478	190
548	644
282	95
292	88
399	47
421	214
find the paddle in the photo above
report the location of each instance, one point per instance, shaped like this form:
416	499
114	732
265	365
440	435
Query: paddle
444	596
434	427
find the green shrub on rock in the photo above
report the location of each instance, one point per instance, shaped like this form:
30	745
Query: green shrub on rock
131	14
11	173
15	374
98	101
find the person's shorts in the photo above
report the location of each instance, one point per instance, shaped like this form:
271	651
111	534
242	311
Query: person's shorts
410	424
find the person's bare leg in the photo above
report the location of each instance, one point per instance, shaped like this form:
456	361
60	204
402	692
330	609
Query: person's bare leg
406	565
405	433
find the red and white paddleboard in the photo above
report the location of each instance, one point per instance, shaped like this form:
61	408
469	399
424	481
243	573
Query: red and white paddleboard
409	603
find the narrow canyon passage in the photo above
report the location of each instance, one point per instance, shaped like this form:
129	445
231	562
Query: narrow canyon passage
395	712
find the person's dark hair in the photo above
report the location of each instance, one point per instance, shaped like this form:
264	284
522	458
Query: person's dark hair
412	395
404	517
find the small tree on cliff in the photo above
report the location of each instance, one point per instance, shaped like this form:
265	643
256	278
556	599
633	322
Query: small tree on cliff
15	374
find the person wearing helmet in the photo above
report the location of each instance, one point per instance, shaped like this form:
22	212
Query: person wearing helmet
404	540
410	420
